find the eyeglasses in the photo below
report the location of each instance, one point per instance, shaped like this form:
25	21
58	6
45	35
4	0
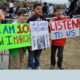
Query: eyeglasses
25	15
39	9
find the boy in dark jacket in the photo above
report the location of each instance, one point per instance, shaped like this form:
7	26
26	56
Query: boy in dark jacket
34	56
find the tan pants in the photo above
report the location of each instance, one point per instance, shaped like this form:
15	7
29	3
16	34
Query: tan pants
15	62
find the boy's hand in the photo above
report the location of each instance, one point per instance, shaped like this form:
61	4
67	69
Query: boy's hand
79	19
49	27
30	48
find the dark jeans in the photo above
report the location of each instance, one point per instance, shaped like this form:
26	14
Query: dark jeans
33	58
59	54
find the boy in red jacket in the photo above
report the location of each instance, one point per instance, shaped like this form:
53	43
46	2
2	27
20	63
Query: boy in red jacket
59	43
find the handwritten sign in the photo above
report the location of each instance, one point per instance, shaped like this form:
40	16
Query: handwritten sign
14	36
39	35
64	28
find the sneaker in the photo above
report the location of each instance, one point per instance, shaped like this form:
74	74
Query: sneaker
62	68
29	68
38	68
52	67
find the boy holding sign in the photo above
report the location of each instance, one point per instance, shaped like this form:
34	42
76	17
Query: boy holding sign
34	56
59	43
17	55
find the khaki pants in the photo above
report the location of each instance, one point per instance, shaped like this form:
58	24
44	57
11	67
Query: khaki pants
15	62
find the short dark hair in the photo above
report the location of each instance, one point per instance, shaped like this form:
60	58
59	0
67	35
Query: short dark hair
45	3
35	5
21	11
50	4
58	7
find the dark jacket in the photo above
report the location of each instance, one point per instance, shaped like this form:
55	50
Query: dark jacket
11	10
45	9
34	18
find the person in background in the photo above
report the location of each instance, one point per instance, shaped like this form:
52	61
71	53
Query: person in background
4	7
13	10
51	9
45	10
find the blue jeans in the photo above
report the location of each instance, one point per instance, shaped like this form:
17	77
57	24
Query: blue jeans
59	54
33	58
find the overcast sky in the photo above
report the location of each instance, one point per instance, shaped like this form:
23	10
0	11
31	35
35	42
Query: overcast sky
56	1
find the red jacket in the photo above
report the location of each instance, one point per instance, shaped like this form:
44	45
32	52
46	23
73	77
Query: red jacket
59	42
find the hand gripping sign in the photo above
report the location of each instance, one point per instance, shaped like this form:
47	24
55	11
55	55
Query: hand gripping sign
14	36
64	28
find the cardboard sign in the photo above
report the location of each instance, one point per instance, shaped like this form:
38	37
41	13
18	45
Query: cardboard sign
64	28
14	36
39	35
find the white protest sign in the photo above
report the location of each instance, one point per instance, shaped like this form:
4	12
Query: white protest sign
65	28
11	5
39	35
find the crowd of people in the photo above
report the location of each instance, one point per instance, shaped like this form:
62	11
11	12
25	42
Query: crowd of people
34	56
74	8
8	11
